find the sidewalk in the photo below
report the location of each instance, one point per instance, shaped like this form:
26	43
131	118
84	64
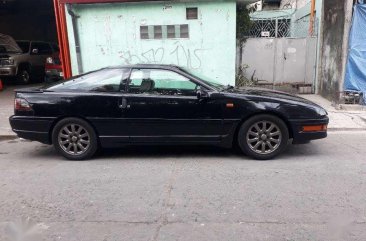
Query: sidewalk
6	110
340	120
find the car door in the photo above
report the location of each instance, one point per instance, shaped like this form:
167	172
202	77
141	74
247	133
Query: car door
162	106
45	51
39	52
97	96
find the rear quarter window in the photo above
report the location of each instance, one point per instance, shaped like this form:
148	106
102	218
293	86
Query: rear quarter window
24	45
106	80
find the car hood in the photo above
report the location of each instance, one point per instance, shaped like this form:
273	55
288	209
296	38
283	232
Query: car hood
7	40
271	94
4	56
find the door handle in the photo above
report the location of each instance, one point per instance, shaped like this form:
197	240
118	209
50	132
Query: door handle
172	102
124	104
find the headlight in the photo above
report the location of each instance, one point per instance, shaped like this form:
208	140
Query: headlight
321	111
49	60
7	62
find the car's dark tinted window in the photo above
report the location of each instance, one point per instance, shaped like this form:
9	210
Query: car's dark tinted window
24	45
55	47
43	48
6	48
105	80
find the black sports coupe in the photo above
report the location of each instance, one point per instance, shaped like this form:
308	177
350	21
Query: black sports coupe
162	104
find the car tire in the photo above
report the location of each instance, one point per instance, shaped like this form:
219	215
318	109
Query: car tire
263	137
23	76
75	139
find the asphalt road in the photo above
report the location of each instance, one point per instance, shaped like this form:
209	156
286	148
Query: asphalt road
312	192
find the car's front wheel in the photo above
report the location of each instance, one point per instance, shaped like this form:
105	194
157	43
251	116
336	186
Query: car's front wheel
75	139
23	76
263	137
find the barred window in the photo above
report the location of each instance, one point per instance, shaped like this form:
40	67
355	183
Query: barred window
192	13
158	32
275	28
144	32
164	31
171	31
184	31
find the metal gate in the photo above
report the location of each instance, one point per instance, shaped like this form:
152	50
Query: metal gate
279	52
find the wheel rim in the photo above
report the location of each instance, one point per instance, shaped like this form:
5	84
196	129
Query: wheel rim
74	139
264	137
25	76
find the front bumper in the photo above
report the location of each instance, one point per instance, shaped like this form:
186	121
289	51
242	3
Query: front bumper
300	137
32	128
8	71
52	75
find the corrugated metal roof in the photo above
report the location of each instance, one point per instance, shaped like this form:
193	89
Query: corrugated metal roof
283	13
131	1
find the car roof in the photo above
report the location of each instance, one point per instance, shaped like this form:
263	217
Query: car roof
34	41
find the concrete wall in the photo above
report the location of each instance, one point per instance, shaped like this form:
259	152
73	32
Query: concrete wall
333	52
110	35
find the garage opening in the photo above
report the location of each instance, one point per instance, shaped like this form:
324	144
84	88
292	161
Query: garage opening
28	41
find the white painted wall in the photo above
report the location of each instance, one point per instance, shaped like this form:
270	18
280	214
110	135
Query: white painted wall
110	35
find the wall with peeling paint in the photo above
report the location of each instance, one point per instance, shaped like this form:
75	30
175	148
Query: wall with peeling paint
110	35
334	47
294	3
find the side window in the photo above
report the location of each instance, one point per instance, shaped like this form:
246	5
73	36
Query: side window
55	47
41	48
161	82
105	80
35	48
45	48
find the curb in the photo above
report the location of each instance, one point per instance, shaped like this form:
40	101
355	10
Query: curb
346	129
8	137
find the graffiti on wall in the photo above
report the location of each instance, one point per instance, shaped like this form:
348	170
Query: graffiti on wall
177	54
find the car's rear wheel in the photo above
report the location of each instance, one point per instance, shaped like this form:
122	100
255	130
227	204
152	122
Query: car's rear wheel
263	137
75	139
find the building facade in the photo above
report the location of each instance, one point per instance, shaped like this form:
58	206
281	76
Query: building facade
198	35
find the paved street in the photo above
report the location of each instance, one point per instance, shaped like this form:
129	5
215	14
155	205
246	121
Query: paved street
312	192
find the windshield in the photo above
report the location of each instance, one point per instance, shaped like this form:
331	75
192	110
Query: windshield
6	48
207	80
24	45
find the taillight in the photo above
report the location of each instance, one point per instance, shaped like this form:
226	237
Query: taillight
22	105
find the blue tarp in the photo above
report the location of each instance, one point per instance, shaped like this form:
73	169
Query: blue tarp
355	79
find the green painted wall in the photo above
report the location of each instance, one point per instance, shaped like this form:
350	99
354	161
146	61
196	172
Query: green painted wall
110	35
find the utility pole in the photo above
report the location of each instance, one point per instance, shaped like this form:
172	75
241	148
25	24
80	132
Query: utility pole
312	18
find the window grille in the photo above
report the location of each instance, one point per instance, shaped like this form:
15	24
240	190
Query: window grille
164	31
192	13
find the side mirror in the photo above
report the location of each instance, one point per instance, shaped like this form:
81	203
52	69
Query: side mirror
201	94
35	51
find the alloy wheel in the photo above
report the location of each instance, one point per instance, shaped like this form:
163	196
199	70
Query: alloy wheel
25	76
264	137
74	139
